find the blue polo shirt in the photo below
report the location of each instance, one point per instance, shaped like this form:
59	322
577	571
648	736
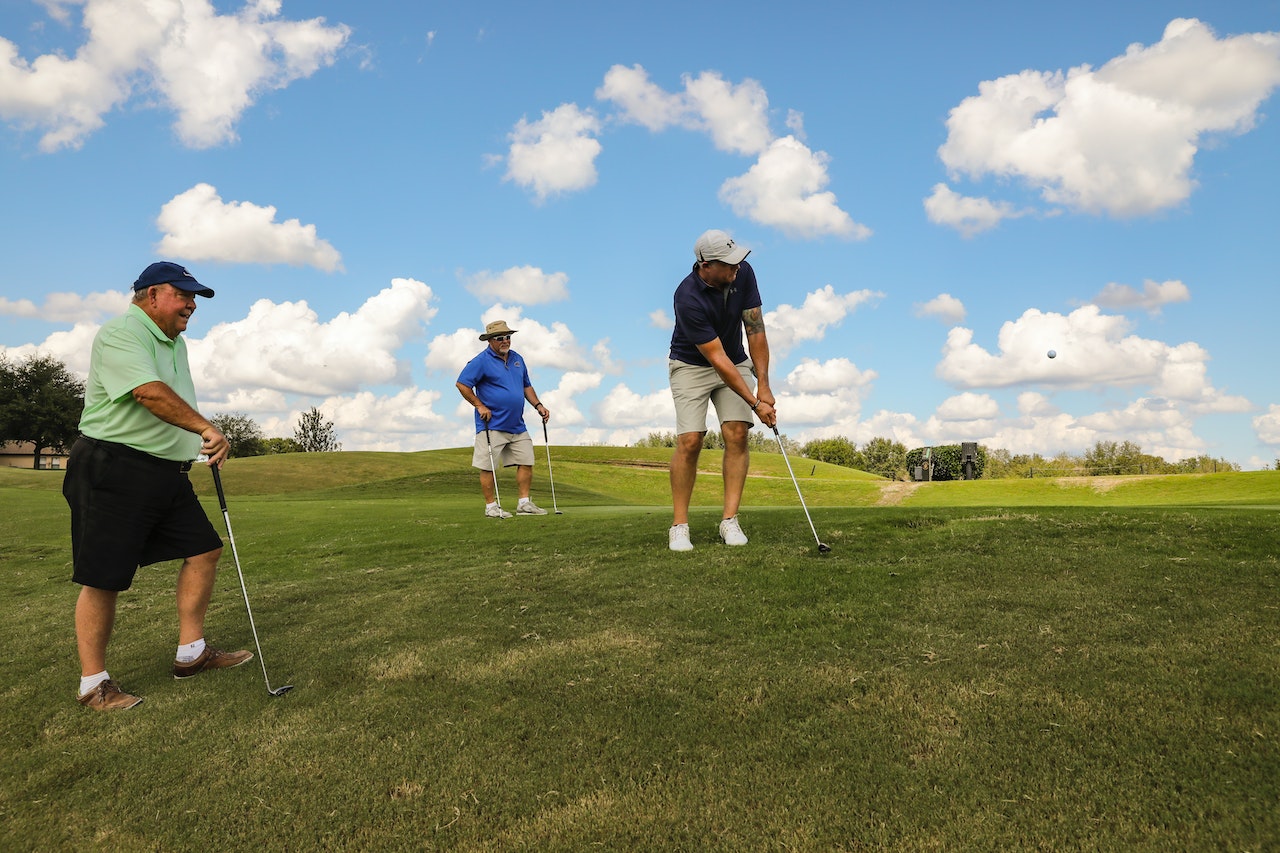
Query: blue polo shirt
500	386
704	314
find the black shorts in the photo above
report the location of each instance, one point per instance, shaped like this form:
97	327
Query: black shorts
130	509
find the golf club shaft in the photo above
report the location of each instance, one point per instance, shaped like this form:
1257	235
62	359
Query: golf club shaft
497	495
547	441
796	483
226	517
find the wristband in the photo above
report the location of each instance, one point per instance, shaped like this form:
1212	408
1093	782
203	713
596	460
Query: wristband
755	406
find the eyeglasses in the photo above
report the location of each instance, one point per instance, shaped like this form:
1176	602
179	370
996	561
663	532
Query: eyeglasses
500	338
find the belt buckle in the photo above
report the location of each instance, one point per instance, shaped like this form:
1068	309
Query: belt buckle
184	467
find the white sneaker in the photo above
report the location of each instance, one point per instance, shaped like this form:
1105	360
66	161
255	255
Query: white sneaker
678	538
529	508
496	511
731	532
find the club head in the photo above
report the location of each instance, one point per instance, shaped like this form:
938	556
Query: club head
559	512
824	548
280	691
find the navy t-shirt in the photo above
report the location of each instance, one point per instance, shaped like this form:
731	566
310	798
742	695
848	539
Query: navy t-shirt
704	314
500	386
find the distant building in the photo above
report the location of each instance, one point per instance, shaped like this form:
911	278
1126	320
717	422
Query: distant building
19	454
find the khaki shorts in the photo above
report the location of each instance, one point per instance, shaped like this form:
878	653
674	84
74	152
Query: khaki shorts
509	448
693	386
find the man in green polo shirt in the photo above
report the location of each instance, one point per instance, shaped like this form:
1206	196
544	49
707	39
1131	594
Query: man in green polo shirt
131	502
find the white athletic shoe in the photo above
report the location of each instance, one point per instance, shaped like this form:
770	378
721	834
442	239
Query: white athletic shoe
496	511
678	538
731	532
529	508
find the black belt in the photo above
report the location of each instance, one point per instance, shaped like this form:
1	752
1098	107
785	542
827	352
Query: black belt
135	453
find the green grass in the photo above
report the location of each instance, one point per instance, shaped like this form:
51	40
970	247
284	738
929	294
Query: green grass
1027	665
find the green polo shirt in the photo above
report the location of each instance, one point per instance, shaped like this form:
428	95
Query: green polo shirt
130	351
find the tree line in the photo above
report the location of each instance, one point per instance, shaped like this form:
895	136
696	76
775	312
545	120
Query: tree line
41	402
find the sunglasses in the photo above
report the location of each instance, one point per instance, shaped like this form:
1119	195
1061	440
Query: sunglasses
500	338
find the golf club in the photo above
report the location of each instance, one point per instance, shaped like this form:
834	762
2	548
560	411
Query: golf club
822	547
493	470
547	442
226	517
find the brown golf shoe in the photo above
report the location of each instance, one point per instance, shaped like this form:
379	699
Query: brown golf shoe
211	658
108	696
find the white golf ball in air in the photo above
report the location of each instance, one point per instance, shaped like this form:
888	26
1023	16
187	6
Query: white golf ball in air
1053	353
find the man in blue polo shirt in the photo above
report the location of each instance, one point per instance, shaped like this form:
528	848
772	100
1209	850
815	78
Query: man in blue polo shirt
497	383
707	364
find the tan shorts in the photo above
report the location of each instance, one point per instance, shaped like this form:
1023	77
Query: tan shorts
509	448
692	387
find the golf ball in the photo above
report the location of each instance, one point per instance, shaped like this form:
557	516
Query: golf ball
1053	353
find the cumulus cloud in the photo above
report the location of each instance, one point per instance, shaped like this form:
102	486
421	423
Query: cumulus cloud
545	347
785	190
1093	349
198	225
966	214
286	347
789	325
206	67
68	307
1120	139
556	153
660	319
944	306
1267	426
968	407
1152	298
525	285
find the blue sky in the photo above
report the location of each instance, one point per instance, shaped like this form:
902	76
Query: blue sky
936	195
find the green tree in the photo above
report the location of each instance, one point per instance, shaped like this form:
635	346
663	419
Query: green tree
242	432
40	402
886	457
657	439
314	434
280	445
837	451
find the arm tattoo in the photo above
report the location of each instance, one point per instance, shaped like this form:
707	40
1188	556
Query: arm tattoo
753	320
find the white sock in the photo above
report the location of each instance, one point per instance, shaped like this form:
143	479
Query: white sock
88	682
491	506
189	652
524	501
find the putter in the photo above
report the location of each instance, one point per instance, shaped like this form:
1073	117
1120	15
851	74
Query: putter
226	517
547	442
822	547
493	470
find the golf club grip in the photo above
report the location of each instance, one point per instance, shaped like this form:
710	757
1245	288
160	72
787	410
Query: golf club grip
217	483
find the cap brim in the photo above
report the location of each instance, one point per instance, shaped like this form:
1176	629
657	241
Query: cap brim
737	256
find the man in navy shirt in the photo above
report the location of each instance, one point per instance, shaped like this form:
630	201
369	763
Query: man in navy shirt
497	383
707	364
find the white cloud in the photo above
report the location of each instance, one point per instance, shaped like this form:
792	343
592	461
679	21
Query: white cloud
966	214
285	347
198	225
1267	426
544	347
784	190
968	407
642	102
1122	139
1093	350
206	67
622	407
660	319
835	376
526	285
556	153
788	325
944	306
1153	296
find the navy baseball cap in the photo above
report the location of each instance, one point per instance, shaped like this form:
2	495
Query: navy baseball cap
163	272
